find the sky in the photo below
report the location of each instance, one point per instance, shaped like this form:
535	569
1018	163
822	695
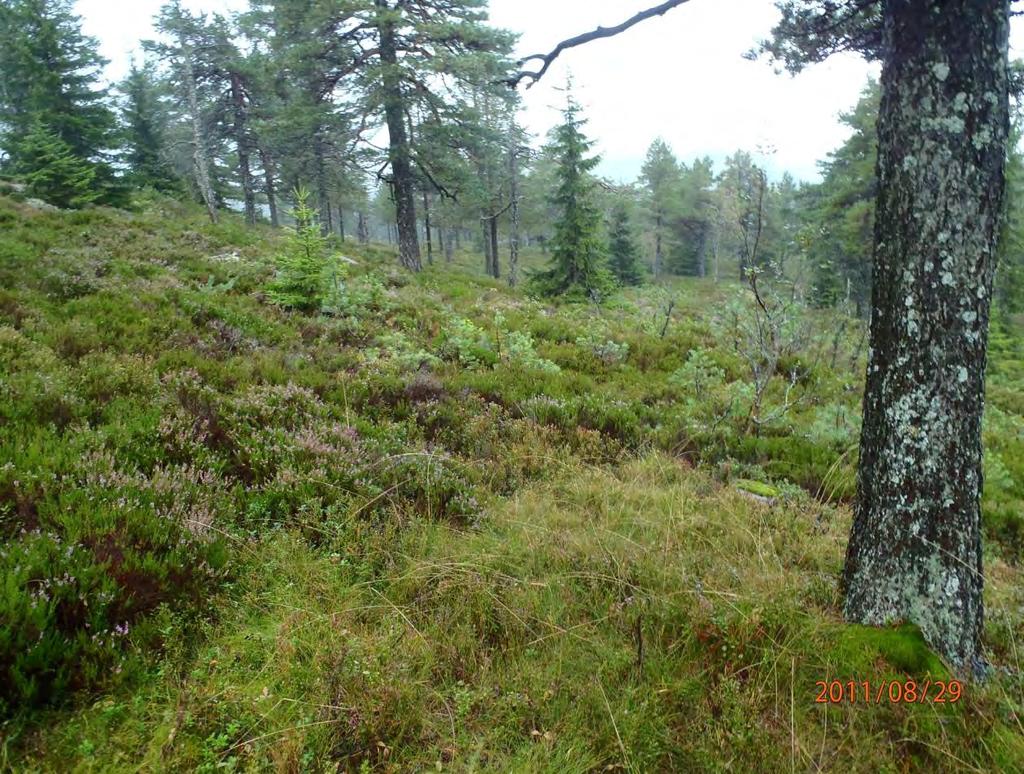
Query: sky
681	77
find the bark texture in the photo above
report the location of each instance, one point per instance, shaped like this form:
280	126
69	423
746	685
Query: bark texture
200	163
403	184
426	226
363	229
915	548
492	231
657	246
322	194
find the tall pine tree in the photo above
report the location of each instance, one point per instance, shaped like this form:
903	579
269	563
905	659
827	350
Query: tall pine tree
661	178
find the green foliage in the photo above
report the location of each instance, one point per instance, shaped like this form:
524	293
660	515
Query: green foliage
1009	283
661	177
301	268
606	350
579	253
624	260
843	210
52	172
698	375
758	488
51	72
144	132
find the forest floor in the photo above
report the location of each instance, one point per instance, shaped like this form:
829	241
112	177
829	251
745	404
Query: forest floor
446	527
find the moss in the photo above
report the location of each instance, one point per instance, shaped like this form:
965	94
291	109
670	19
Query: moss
757	487
857	649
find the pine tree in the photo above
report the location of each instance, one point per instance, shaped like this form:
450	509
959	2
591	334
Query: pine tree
144	133
661	177
415	39
189	42
624	253
915	549
691	222
52	172
579	253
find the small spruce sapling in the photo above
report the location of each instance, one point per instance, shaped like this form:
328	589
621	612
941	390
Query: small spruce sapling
300	269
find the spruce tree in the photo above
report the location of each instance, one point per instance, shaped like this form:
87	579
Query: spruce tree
624	252
300	270
52	172
50	74
579	252
143	132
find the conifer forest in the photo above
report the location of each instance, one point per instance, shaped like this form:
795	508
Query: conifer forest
354	419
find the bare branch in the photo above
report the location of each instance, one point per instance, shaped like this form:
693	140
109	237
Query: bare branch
579	40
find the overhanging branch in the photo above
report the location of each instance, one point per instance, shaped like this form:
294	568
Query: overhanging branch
579	40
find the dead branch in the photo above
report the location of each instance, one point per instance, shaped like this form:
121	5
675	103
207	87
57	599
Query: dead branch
579	40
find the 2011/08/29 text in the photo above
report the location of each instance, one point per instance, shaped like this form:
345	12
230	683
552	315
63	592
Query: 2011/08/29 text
892	691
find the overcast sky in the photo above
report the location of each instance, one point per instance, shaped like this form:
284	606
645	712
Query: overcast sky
681	77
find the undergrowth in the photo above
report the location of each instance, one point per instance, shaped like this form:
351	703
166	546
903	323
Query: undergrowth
438	523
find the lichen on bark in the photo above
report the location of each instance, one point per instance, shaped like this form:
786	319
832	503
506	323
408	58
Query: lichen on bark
915	548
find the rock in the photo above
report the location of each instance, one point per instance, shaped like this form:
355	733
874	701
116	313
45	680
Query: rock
39	204
757	490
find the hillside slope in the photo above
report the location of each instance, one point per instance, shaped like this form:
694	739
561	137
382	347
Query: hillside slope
445	526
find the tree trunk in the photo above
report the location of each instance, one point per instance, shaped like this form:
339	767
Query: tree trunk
513	234
915	548
322	195
702	251
269	188
657	246
486	237
242	145
495	252
402	182
341	223
200	162
449	245
716	243
363	229
426	226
